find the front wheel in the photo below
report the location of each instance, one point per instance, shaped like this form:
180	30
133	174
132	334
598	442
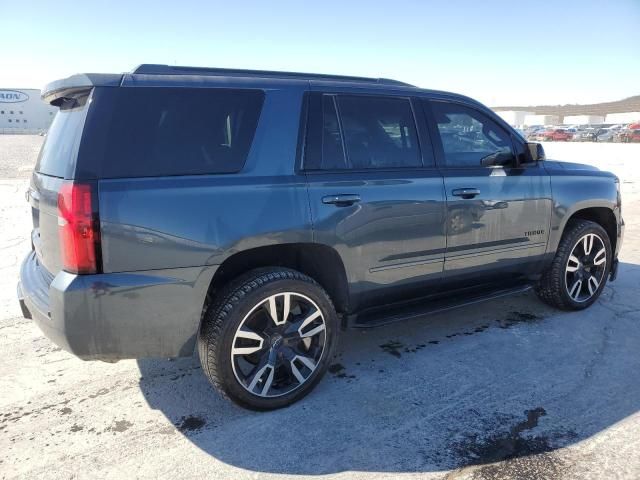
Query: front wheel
580	268
268	338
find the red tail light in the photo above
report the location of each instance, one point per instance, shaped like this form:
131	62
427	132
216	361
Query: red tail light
78	227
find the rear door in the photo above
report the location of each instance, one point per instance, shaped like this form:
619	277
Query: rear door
56	162
497	218
375	195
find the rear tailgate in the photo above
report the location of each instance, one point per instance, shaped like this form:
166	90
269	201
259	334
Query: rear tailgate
56	163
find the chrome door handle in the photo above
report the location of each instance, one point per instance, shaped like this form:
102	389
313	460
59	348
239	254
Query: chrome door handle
466	193
341	200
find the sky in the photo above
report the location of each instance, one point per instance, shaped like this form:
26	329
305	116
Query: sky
499	52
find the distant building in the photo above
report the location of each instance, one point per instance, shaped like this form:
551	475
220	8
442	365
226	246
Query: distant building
627	117
531	120
514	118
22	111
583	119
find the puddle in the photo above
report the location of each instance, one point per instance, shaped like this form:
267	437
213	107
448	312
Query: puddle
336	368
510	454
517	318
392	348
338	371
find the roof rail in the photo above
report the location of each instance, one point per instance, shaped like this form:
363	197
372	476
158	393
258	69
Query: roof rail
155	69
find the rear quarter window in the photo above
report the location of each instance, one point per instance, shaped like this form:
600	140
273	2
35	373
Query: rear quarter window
158	131
58	153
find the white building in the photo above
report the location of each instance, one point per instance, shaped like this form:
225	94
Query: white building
532	120
583	119
627	117
514	118
22	111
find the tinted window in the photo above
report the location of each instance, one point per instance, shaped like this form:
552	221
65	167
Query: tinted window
172	131
379	132
468	135
57	156
332	148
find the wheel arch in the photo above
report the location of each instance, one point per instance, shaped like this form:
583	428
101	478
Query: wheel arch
318	261
603	216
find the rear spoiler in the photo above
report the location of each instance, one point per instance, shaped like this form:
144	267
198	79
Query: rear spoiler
58	91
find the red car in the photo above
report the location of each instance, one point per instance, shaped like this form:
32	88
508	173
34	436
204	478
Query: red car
630	136
557	135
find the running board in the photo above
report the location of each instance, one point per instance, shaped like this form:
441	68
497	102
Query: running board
389	315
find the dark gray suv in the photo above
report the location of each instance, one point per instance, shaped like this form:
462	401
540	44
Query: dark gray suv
255	214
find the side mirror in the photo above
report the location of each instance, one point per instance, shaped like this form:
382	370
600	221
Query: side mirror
497	159
536	152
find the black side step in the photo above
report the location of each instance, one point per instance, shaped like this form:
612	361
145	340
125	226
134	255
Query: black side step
389	315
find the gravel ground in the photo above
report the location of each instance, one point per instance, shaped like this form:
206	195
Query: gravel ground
510	389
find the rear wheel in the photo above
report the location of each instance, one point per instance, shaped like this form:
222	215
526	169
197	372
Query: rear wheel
579	270
267	340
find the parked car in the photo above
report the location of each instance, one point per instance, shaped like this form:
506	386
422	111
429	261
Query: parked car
621	135
254	215
543	135
606	135
532	133
575	133
629	136
590	134
557	135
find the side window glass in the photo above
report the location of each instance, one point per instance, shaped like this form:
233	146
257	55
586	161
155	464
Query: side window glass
332	150
468	136
379	132
324	149
163	131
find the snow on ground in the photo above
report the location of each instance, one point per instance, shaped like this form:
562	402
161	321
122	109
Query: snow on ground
508	389
621	158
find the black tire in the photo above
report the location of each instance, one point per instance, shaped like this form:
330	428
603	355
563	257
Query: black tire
227	314
552	288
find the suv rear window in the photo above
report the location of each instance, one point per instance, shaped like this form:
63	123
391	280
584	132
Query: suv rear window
57	155
158	131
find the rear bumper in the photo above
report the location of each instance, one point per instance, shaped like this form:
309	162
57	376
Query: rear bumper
114	316
23	306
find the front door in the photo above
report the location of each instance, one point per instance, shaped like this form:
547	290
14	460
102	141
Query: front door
375	195
497	216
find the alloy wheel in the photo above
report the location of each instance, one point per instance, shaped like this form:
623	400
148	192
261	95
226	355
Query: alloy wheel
278	345
586	268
